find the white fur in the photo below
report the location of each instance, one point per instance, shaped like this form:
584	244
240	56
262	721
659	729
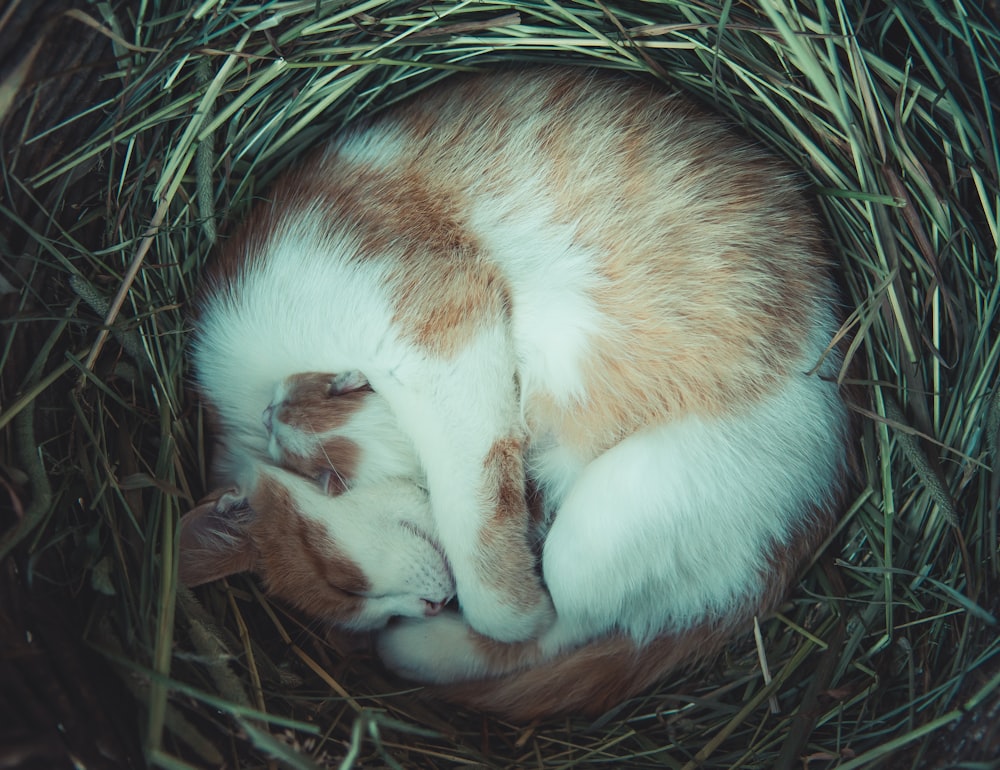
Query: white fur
552	278
377	146
254	335
668	527
455	410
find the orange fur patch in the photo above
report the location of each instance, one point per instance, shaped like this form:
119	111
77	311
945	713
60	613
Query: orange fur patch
297	560
443	290
587	681
441	302
505	472
310	407
337	456
692	324
506	559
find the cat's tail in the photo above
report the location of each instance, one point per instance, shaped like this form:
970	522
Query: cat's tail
589	680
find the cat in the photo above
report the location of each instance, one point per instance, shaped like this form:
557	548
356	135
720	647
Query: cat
545	286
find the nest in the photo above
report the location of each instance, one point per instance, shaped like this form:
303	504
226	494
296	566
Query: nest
133	135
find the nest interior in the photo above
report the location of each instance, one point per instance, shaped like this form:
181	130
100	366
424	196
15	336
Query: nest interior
132	135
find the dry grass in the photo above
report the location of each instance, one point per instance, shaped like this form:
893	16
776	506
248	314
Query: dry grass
885	656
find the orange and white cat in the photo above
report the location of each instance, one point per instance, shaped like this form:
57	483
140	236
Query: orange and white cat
552	280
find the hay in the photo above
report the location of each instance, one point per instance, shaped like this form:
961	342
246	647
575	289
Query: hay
886	655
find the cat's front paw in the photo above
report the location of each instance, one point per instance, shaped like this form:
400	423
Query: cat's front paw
434	650
515	612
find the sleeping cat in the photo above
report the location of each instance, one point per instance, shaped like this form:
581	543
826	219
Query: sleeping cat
553	280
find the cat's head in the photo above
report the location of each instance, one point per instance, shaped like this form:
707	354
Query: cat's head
338	524
355	559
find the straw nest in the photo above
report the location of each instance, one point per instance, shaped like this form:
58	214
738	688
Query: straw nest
135	132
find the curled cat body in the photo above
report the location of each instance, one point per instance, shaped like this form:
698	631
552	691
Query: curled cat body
551	279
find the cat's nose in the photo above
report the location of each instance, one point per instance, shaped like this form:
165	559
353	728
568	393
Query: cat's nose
432	608
268	414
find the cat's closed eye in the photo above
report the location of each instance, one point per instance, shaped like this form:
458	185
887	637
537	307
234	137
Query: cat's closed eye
330	481
344	591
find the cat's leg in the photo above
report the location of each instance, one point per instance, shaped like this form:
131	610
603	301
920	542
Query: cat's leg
700	519
610	540
461	409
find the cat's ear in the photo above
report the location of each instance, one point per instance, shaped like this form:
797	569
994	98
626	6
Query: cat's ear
215	540
348	382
